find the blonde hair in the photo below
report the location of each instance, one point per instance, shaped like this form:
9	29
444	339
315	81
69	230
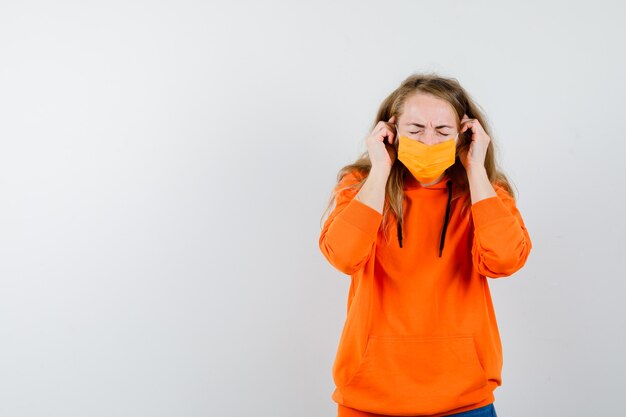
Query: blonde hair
450	90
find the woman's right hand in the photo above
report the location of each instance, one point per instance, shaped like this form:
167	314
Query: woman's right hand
382	155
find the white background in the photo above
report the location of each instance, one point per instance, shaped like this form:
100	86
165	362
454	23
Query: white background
164	166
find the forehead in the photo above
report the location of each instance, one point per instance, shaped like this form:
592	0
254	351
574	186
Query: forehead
424	108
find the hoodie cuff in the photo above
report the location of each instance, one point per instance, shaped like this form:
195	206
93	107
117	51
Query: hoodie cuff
488	210
361	216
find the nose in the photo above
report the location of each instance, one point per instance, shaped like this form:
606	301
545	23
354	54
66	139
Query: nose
428	139
431	138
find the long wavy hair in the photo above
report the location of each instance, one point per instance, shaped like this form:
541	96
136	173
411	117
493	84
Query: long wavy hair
448	89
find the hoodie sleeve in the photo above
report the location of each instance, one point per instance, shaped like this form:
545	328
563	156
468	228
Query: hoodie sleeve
501	243
349	233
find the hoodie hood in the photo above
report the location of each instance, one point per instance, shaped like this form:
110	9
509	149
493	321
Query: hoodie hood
445	184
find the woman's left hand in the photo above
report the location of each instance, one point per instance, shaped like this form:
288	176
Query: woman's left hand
475	157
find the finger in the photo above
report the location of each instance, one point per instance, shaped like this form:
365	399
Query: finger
379	129
393	128
467	124
390	134
387	123
380	126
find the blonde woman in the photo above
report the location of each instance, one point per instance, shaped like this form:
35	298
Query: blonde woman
419	222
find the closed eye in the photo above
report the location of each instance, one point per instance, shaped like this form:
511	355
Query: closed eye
441	133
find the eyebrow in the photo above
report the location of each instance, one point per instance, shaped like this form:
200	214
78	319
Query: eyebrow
436	127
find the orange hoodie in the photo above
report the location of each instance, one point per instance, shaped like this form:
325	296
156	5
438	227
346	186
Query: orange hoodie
421	337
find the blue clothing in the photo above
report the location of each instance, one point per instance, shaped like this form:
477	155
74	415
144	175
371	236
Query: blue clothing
486	411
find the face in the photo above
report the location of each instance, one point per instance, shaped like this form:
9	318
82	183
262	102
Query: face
428	119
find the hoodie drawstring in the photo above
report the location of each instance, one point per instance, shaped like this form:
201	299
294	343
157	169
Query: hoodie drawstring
445	221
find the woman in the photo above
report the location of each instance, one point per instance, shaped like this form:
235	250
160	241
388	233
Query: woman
420	221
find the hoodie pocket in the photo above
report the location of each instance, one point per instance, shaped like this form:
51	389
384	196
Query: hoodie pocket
417	375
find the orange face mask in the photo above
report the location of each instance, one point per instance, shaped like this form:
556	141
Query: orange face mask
426	162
